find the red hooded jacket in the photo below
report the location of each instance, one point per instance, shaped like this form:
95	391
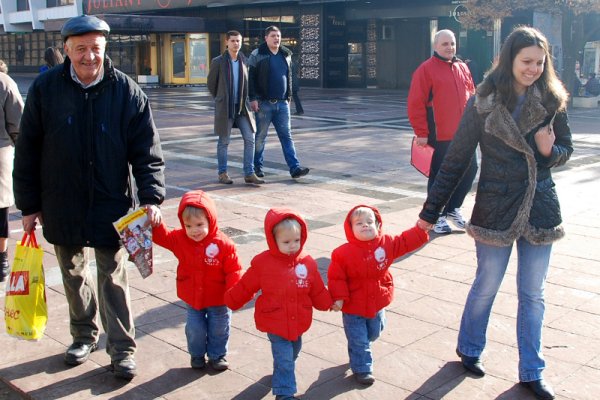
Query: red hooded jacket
290	285
207	268
359	271
444	86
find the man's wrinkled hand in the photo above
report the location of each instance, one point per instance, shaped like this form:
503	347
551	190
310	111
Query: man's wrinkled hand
154	215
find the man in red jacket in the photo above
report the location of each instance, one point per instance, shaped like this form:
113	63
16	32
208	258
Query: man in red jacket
438	94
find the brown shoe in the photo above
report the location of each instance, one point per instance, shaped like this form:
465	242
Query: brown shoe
253	179
224	178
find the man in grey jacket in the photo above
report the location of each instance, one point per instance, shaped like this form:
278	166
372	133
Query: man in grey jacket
228	84
85	126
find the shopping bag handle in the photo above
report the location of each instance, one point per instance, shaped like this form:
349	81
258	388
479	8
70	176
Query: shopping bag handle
29	239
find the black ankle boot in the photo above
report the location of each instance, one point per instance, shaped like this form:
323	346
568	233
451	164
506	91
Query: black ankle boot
4	268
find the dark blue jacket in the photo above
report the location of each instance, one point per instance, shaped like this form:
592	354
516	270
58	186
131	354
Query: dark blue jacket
75	151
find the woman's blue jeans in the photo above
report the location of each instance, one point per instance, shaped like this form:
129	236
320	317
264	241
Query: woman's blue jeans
279	114
247	135
532	268
360	332
285	352
207	331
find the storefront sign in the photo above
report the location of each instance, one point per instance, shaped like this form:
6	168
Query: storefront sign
459	11
122	6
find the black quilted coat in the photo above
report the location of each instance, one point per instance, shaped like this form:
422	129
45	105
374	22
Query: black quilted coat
75	151
515	195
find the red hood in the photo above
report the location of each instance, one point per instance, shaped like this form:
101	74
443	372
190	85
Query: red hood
199	199
275	216
348	225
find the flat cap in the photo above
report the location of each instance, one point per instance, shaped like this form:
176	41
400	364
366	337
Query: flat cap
84	24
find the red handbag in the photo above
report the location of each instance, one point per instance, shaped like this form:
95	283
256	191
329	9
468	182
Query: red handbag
420	157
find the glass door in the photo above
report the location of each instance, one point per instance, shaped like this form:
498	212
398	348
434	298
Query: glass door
198	50
178	66
356	65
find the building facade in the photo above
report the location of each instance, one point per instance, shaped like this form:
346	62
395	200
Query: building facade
351	43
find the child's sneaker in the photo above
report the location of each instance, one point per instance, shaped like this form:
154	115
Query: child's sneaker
198	362
364	379
442	226
456	218
220	364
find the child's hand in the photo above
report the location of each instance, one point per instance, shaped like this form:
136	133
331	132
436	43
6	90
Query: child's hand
426	226
154	215
337	306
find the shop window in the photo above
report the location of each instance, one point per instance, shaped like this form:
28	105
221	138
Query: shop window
22	5
199	56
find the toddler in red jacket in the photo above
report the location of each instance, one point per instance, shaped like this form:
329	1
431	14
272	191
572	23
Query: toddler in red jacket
290	287
361	284
208	266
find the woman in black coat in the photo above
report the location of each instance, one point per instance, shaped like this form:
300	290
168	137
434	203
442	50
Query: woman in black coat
518	118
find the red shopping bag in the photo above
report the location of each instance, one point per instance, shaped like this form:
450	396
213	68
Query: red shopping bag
25	310
420	157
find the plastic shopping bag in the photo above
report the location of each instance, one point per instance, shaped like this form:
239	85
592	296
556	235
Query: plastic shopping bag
25	311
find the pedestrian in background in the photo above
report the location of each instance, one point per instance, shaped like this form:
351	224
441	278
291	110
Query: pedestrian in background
438	94
228	84
85	126
270	95
11	109
52	57
518	118
592	86
296	85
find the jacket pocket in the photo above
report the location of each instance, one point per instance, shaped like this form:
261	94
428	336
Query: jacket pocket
545	212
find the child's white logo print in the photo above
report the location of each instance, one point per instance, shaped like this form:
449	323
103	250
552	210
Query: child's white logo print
379	254
302	274
212	250
380	258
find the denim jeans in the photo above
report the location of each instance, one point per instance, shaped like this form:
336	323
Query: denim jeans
360	332
532	268
112	300
207	331
464	186
247	135
279	115
285	352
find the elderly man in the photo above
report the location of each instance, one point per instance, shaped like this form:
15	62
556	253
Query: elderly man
85	126
438	94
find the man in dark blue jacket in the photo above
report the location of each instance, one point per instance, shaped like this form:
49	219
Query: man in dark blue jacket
270	93
85	126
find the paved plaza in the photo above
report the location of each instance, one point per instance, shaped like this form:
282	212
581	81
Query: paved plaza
356	143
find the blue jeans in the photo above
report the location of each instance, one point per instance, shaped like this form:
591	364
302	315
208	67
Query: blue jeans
279	115
532	268
207	331
285	352
360	332
248	135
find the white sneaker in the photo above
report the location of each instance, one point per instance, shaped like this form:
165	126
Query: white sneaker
442	226
456	218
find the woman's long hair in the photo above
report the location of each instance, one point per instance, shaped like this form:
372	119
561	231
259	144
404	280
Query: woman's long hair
501	79
53	57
